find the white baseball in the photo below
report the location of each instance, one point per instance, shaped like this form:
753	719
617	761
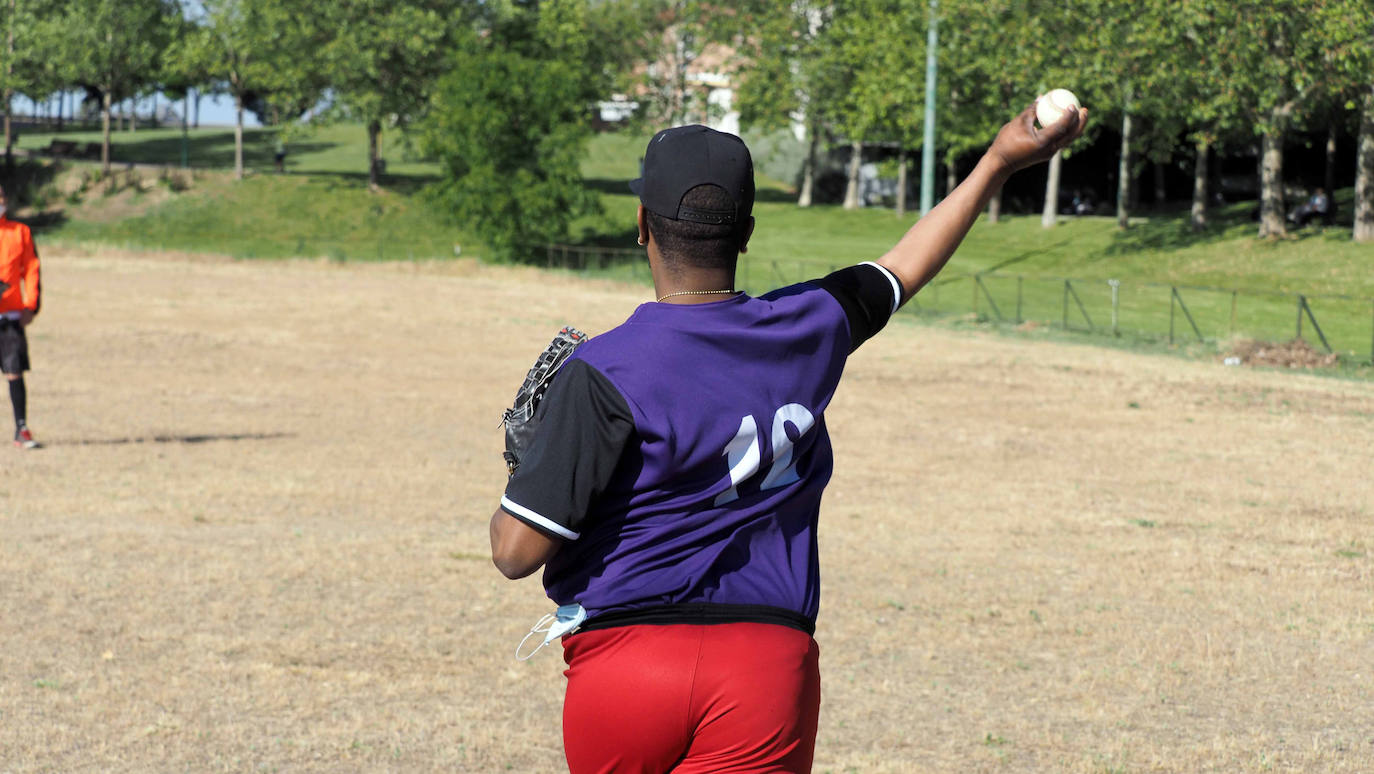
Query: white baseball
1052	106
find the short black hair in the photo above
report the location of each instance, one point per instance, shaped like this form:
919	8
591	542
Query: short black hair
702	245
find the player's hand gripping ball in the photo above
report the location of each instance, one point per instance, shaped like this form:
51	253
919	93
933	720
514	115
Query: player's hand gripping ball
1052	106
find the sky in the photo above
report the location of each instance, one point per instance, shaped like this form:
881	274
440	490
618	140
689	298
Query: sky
214	109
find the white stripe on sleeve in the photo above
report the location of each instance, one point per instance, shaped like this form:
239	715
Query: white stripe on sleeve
531	516
892	278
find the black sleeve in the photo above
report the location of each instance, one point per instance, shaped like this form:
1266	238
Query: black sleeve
583	426
869	295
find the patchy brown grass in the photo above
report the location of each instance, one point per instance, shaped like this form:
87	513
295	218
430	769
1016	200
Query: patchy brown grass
1295	353
256	540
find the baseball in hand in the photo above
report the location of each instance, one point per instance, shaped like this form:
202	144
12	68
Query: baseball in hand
1052	106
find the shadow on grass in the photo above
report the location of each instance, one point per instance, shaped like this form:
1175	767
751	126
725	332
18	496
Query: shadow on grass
406	184
1170	229
44	222
23	181
204	149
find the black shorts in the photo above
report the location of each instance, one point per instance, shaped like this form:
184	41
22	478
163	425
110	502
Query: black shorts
14	347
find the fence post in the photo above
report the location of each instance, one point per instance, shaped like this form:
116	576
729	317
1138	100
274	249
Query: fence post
1066	304
1116	286
1186	313
1315	325
978	283
1300	302
1082	309
1173	293
1019	281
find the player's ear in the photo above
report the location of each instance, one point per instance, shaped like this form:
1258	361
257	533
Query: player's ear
643	226
748	232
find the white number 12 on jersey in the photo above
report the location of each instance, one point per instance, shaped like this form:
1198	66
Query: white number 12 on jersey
744	452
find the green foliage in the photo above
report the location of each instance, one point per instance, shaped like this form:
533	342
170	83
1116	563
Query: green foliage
509	122
383	58
114	47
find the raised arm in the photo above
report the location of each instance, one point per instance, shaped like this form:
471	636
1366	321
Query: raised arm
928	245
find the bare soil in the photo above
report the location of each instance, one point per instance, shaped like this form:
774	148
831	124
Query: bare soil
256	539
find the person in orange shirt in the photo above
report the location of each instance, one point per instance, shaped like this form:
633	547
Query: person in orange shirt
19	302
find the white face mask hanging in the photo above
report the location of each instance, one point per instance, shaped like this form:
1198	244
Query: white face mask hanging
553	625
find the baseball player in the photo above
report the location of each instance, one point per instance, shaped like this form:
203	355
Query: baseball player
19	303
672	486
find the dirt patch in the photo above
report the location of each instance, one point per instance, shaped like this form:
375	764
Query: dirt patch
256	539
1297	353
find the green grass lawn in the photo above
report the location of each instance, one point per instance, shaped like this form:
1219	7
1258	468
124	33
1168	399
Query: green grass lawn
1229	282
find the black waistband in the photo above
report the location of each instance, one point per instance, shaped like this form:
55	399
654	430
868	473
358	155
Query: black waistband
700	613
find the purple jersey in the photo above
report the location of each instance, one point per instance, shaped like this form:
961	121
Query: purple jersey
683	454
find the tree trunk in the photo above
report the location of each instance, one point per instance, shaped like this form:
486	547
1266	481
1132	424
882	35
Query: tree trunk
901	182
1330	178
1123	181
9	92
1199	214
9	138
238	136
1271	180
61	108
1364	173
133	114
374	130
1161	193
196	124
851	188
1050	214
105	130
808	183
995	207
951	172
185	121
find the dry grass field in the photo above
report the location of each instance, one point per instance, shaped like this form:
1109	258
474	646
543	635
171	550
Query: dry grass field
256	540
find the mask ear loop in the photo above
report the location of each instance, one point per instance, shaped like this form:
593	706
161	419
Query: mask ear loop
566	620
542	626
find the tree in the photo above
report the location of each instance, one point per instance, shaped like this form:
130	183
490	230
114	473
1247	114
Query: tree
30	27
112	47
1129	73
1364	173
881	44
991	67
385	57
509	120
1349	26
253	47
787	73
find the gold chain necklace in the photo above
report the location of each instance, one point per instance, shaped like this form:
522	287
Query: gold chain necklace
697	293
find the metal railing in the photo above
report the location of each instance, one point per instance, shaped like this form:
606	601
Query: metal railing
1153	311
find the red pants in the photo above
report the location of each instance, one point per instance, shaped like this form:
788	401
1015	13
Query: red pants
740	697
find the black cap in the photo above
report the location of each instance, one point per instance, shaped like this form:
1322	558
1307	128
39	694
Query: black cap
684	157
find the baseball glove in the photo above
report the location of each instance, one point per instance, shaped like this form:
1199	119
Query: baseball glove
519	419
